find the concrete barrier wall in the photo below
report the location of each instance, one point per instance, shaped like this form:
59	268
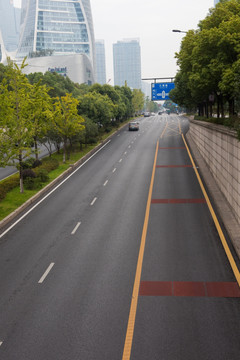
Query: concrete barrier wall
221	150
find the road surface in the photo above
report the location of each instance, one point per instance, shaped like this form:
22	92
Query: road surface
122	261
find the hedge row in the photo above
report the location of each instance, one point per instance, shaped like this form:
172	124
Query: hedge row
32	178
8	184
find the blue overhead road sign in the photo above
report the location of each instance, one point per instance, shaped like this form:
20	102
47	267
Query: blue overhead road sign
160	91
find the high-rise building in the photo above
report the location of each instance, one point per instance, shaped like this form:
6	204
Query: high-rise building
100	62
9	24
127	63
58	35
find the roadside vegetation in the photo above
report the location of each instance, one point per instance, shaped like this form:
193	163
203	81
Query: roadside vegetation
208	79
50	110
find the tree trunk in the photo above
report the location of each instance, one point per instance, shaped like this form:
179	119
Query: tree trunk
64	150
36	148
20	172
218	107
222	107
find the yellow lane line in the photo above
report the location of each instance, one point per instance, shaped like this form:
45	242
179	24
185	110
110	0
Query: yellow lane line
166	126
180	128
218	227
134	302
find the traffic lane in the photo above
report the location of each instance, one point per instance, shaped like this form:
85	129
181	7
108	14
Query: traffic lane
189	328
183	245
176	183
26	304
47	223
29	241
185	274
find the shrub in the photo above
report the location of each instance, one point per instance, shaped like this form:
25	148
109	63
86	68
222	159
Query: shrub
28	164
8	184
42	175
49	164
36	163
28	173
29	183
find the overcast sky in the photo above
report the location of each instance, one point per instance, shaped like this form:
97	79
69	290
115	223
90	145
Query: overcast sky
151	21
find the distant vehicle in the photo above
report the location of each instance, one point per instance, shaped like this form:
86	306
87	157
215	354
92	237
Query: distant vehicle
146	114
133	126
153	114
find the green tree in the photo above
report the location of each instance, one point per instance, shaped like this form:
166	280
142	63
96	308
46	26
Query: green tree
66	120
99	108
39	112
208	60
137	100
16	128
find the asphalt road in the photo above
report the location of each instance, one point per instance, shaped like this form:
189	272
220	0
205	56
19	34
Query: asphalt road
68	269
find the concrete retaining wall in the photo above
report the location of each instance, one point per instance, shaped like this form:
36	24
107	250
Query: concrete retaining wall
221	150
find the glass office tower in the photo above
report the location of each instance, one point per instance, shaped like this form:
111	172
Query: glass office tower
127	63
58	27
100	62
9	24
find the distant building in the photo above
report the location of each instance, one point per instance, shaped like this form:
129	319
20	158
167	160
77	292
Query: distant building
127	63
9	25
100	62
146	89
58	35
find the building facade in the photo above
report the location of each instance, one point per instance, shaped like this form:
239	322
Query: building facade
127	63
9	24
51	29
100	62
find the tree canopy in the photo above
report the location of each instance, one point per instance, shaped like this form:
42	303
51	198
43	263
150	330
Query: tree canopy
209	60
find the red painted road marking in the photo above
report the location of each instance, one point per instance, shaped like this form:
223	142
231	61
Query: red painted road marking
174	166
228	289
155	288
189	288
178	201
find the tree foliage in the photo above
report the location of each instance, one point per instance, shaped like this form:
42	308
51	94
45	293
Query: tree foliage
16	128
66	120
209	60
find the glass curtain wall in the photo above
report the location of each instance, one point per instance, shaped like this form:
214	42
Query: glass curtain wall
56	27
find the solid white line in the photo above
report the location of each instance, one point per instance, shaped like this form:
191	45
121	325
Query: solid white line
46	196
46	273
93	202
76	227
114	170
105	183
